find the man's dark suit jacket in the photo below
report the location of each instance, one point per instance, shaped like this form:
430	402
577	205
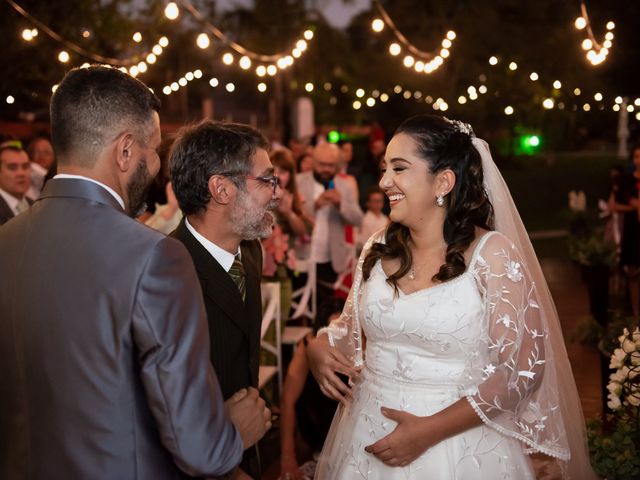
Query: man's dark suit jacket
6	213
104	357
234	325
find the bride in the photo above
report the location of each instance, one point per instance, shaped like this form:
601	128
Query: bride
449	336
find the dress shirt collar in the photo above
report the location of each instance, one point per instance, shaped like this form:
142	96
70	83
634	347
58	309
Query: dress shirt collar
224	258
11	200
108	189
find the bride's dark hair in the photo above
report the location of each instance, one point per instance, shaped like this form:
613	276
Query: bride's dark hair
442	144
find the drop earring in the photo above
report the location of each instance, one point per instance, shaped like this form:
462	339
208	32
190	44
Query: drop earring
440	200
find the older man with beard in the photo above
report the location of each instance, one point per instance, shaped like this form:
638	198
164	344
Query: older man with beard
225	185
103	351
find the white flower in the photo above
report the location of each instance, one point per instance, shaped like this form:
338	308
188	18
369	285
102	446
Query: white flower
628	346
614	402
617	359
505	320
634	398
615	388
635	359
513	271
489	369
620	376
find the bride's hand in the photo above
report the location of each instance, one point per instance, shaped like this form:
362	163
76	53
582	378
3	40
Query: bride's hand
324	362
410	439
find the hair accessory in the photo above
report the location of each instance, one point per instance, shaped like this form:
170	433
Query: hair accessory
462	127
440	200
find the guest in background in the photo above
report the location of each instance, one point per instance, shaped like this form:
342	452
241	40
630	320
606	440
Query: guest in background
374	219
15	180
163	212
305	163
292	227
628	204
302	403
42	159
333	203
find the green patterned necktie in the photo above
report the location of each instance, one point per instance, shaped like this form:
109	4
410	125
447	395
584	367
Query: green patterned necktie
238	276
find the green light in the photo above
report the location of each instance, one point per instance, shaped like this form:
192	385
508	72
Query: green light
528	144
333	136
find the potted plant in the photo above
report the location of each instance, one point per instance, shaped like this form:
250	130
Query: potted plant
614	444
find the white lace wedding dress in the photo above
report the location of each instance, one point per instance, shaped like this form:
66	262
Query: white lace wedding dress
477	336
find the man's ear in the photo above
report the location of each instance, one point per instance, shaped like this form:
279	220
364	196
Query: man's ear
445	182
219	189
124	151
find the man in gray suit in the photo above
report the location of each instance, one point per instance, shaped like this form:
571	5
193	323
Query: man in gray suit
104	348
332	200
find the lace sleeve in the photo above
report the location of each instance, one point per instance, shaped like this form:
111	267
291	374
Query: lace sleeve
345	332
516	396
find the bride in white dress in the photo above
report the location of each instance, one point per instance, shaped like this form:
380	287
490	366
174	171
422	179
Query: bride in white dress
450	337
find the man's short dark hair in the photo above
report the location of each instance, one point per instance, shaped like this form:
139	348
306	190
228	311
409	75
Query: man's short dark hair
91	105
12	145
210	148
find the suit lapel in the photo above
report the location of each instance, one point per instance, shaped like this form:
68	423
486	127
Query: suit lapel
217	285
5	212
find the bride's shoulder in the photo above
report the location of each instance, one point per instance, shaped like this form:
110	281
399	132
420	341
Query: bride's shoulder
488	242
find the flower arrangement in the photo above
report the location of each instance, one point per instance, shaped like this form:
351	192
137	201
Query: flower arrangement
614	444
277	254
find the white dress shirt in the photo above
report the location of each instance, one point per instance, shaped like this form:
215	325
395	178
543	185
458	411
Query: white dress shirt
108	189
224	258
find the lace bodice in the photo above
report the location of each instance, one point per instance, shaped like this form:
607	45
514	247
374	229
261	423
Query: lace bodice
481	332
430	336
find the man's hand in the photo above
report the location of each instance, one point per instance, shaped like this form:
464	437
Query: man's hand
249	414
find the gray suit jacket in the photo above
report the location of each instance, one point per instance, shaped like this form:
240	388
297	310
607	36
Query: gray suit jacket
104	348
349	213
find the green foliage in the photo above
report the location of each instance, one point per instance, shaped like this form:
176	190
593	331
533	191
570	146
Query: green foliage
614	447
591	250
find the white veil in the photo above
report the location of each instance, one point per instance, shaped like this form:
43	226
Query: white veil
508	222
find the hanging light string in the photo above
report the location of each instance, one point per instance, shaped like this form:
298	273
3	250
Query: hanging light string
596	52
73	46
420	60
258	57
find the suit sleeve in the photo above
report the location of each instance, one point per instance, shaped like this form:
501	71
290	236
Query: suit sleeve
171	334
350	210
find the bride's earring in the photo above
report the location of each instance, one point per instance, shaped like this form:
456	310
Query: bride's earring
440	200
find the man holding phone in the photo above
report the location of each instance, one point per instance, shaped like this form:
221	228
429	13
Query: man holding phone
332	200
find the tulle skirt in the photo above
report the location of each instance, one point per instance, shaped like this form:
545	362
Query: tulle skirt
480	452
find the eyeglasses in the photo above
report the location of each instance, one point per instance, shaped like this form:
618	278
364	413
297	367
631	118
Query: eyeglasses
272	180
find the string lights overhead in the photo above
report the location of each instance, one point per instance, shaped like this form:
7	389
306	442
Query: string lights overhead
28	35
420	60
267	64
596	52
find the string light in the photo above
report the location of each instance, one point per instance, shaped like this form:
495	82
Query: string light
69	45
63	56
270	63
171	11
137	37
184	81
10	100
262	87
596	52
420	60
202	41
508	110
